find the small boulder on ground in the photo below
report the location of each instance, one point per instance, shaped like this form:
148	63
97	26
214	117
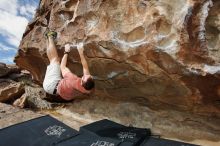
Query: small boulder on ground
10	90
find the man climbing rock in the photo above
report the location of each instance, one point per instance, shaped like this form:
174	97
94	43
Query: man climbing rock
59	80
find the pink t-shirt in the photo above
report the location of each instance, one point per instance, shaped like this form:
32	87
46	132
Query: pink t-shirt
70	87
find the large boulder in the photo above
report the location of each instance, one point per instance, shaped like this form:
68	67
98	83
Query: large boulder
140	51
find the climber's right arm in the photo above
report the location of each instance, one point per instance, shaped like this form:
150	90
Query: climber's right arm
83	60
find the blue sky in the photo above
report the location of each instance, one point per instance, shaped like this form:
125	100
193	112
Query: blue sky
14	17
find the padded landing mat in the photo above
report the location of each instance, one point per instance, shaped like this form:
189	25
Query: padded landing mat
43	131
47	131
100	125
129	136
86	139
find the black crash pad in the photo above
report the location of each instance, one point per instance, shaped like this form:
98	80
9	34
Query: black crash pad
163	142
43	131
47	131
87	139
129	136
100	125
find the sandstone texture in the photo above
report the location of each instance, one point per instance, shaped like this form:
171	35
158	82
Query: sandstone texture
35	98
10	89
17	87
157	54
164	51
3	70
6	70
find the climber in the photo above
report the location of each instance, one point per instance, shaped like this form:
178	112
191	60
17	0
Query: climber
59	80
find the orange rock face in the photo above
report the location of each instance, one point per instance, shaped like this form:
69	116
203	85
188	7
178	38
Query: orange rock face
138	50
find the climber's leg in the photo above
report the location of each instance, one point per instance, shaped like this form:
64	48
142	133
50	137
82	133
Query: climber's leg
53	72
52	51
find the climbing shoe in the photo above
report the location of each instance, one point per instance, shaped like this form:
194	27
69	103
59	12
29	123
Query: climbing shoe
52	34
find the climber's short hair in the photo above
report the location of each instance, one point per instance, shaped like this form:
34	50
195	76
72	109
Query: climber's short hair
89	84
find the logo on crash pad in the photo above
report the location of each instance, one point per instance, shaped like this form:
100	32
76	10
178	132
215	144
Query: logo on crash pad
126	135
55	131
102	143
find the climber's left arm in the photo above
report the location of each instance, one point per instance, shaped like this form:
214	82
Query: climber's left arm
63	67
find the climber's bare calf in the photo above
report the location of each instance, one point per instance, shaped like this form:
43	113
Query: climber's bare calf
52	51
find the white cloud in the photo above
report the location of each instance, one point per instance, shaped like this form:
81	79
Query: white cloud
9	6
12	40
12	27
6	48
14	16
27	10
8	60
